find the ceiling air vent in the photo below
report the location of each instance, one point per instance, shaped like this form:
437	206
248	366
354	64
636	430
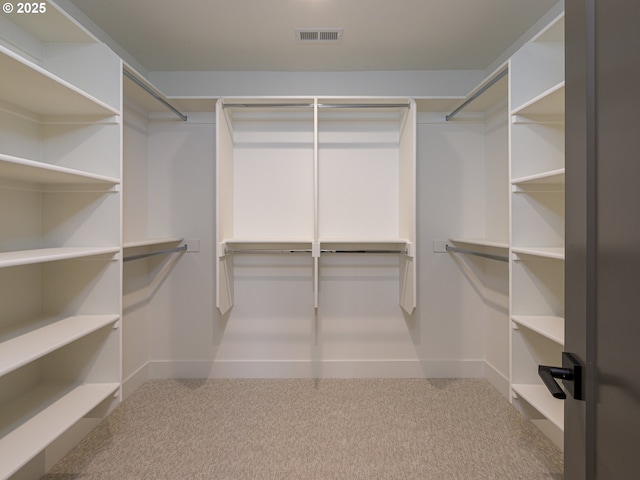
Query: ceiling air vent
318	35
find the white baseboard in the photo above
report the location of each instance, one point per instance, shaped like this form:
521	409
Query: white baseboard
497	379
315	369
135	380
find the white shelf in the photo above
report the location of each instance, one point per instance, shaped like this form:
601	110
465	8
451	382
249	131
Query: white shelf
150	242
28	341
369	240
553	177
53	26
27	257
268	240
550	102
539	398
556	253
482	242
46	412
548	326
24	170
33	88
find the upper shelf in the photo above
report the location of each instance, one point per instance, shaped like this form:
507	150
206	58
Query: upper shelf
52	26
34	89
24	170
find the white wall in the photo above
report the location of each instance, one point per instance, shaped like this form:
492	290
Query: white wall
450	314
184	327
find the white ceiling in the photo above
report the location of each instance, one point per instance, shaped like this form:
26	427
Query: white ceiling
258	35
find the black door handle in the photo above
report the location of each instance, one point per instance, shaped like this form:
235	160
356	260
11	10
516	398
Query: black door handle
570	373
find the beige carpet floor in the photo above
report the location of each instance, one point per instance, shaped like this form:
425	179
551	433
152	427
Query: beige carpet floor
445	429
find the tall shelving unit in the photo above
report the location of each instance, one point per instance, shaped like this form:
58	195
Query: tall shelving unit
60	234
537	223
316	176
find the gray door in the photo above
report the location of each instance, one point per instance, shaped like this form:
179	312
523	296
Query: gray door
602	434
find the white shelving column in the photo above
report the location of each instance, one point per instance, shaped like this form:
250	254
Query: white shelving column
537	224
60	235
315	176
265	182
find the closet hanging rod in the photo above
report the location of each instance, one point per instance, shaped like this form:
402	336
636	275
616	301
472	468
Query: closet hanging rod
320	105
363	105
500	258
267	105
402	252
183	248
154	94
259	251
484	88
230	251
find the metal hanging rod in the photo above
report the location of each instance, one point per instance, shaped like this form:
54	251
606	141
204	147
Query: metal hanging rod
267	105
500	258
183	248
402	252
484	88
241	251
154	94
262	251
363	105
320	105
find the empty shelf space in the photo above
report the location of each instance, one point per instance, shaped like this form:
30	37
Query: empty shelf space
372	245
28	257
539	398
553	177
550	102
265	245
482	242
556	253
151	242
548	326
24	170
47	412
28	341
32	88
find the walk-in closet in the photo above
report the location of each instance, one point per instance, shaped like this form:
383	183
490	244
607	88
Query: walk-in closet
247	225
